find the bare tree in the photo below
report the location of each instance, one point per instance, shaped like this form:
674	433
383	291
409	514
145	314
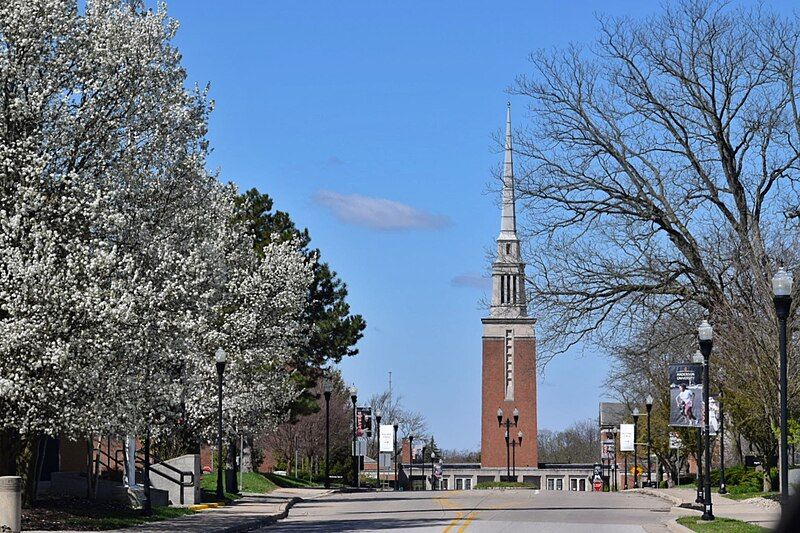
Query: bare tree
580	443
659	175
306	434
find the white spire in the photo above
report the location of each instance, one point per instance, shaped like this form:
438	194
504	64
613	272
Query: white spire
508	270
508	224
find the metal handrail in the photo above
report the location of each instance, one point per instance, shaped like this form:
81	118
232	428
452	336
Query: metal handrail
168	466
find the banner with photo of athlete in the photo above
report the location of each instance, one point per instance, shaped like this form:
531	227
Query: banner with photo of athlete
686	394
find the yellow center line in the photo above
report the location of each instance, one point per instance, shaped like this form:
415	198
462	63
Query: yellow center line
470	517
453	523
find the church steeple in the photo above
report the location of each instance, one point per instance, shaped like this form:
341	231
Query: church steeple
508	224
508	270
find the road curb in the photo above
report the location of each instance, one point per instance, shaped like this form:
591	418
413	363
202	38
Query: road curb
677	502
673	525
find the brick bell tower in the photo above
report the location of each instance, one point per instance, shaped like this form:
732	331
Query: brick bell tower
509	342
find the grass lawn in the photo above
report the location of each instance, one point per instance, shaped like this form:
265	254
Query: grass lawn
289	482
84	515
720	524
745	495
251	481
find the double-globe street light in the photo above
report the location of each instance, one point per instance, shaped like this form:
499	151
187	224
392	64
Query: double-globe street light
782	293
221	358
705	335
327	389
354	399
508	422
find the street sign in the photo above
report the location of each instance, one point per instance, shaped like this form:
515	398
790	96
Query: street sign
626	437
387	438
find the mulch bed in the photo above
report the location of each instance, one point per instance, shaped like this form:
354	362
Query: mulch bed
75	514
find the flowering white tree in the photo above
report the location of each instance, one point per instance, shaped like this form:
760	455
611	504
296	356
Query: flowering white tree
121	267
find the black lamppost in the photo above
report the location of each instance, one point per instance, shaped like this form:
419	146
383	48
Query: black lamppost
411	461
514	444
705	334
722	489
635	452
649	406
327	388
378	423
354	399
782	292
625	466
615	431
423	467
697	358
507	424
394	455
147	505
221	358
433	471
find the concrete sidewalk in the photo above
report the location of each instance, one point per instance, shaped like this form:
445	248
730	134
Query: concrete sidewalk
759	511
251	512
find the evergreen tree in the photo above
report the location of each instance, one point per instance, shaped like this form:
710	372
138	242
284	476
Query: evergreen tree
334	330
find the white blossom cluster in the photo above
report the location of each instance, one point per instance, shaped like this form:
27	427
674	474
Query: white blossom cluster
121	267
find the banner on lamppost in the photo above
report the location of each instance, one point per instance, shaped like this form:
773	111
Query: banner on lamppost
626	438
713	416
686	394
387	438
607	452
416	452
364	421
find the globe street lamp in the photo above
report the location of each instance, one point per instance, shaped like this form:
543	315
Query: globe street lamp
507	424
722	489
649	406
635	452
378	423
697	358
782	293
394	453
221	358
327	388
354	399
705	334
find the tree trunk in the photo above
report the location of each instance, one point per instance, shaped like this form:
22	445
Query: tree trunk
27	461
9	451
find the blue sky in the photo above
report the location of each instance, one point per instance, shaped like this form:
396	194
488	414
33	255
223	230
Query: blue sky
371	124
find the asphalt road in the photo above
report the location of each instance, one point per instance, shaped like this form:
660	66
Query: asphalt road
488	511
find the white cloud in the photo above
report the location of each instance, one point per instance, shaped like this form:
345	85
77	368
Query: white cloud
377	213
